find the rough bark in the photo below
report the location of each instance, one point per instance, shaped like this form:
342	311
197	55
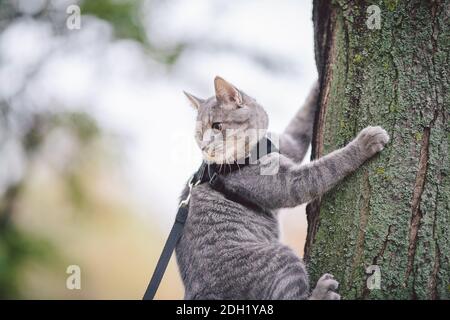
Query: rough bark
393	212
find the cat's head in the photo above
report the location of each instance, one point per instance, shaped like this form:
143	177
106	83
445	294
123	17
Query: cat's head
229	124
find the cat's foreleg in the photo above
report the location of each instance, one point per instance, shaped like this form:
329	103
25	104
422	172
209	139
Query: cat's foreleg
295	140
315	178
294	184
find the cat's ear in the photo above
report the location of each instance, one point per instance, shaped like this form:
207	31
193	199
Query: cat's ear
226	92
194	100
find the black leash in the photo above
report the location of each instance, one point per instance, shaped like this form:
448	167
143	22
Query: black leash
174	236
211	173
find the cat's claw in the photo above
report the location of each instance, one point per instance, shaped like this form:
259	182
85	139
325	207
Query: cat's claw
372	139
325	289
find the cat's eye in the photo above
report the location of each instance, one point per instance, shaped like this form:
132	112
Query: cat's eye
216	126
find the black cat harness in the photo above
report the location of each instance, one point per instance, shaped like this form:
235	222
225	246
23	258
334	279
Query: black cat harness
211	173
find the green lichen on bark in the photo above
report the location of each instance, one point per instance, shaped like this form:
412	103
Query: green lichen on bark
394	212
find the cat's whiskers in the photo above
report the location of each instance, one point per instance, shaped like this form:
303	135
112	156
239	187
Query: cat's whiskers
209	171
230	149
229	166
239	168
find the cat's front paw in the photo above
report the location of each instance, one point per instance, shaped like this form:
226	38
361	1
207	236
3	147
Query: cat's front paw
372	140
325	289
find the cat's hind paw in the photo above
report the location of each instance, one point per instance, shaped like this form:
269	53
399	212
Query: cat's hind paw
325	289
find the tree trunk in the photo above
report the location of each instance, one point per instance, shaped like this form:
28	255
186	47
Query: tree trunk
394	212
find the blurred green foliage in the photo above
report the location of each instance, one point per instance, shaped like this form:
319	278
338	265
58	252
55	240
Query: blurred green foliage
17	248
122	14
80	123
125	16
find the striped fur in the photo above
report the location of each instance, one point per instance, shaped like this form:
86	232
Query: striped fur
228	251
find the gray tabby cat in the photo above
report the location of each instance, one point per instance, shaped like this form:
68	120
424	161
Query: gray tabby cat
228	251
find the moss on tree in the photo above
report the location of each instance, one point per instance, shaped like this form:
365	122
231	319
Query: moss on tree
394	212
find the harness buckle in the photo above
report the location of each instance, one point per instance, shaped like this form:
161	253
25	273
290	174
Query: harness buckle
213	179
191	185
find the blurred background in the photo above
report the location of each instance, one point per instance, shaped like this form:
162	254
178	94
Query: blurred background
96	137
